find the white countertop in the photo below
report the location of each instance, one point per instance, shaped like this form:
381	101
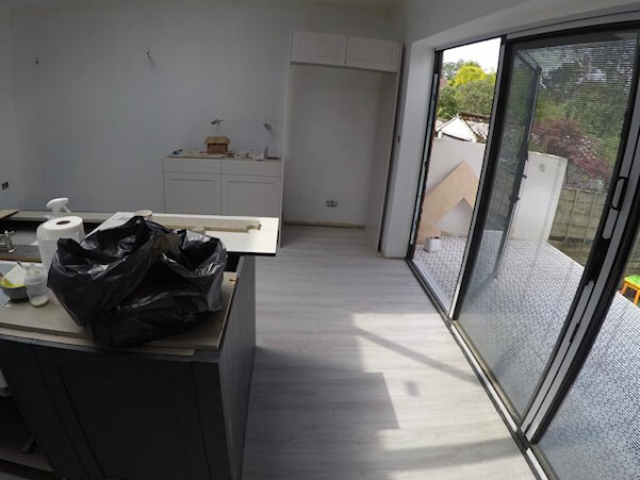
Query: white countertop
52	323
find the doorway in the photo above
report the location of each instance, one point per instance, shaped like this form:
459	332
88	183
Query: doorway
545	295
463	89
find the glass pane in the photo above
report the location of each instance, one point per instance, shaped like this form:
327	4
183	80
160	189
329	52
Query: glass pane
596	433
464	104
548	195
523	89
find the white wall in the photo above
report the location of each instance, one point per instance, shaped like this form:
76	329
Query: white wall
424	18
381	157
94	119
538	198
408	154
332	135
12	197
443	23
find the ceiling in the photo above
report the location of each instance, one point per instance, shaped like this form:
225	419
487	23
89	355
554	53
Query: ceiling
357	3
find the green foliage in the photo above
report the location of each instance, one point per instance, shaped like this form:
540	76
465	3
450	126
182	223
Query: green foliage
594	103
467	88
447	103
580	102
547	109
476	96
608	147
450	69
468	73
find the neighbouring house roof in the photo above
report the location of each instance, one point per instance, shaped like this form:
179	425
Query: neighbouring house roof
468	127
478	123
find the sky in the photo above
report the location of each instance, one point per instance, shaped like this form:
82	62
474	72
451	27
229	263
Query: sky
485	53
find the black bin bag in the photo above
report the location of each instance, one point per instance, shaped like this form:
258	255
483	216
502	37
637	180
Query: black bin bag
138	282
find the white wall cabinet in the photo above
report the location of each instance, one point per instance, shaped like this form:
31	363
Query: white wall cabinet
223	187
373	54
319	48
345	51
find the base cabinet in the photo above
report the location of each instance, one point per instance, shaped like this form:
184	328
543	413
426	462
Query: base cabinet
223	187
192	193
248	195
102	414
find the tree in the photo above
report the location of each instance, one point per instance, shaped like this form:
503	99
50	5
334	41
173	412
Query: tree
449	69
476	96
447	103
468	89
469	72
589	84
565	138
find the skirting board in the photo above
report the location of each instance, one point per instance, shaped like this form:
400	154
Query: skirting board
324	224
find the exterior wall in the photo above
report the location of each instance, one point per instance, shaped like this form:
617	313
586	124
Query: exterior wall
539	197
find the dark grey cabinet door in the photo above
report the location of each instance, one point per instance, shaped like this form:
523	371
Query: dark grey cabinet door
129	417
19	366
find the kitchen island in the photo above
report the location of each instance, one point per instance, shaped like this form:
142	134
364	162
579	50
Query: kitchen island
173	409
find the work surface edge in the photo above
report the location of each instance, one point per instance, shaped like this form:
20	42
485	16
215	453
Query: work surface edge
52	323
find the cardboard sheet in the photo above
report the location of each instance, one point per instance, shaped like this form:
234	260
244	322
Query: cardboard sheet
460	185
7	213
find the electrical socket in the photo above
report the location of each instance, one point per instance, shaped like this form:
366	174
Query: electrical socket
4	185
332	203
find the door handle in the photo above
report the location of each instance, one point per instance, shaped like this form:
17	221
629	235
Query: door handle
618	194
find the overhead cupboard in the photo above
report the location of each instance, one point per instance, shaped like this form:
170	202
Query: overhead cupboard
339	134
345	51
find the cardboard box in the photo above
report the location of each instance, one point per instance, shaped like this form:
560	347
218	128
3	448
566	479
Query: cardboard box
217	145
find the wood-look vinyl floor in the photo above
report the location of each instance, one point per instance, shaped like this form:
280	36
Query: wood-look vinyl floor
357	377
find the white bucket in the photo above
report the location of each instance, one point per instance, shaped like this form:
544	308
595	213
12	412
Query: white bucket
433	244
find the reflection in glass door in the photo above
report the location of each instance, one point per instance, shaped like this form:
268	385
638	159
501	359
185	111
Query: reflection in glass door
462	115
509	173
548	189
596	433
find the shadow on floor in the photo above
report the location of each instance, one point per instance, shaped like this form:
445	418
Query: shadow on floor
418	357
309	420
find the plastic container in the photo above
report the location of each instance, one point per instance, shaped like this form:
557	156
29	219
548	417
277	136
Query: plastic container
36	282
433	244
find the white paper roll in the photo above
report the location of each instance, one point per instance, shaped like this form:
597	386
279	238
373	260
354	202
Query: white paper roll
51	231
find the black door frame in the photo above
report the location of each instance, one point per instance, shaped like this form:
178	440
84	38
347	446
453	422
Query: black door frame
422	180
594	266
614	239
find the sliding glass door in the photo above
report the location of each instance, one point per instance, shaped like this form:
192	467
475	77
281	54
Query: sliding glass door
596	433
462	98
509	173
561	115
545	288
